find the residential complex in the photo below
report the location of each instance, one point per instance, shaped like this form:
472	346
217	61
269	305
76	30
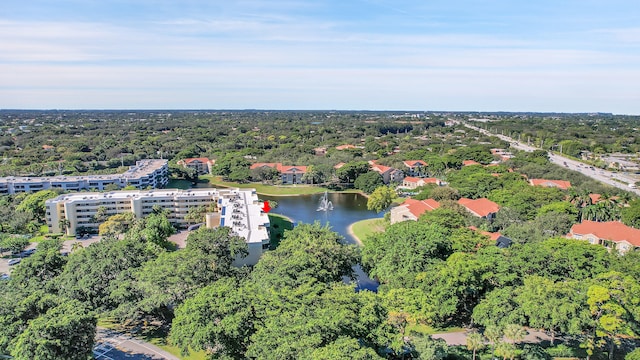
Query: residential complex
610	234
149	173
411	209
238	209
200	165
288	174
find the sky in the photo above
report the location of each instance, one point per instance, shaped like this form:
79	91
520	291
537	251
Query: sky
426	55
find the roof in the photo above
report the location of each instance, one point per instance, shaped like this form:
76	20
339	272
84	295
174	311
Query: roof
419	207
492	235
480	207
608	230
470	162
259	165
293	168
503	242
345	147
413	163
551	183
202	160
339	165
412	179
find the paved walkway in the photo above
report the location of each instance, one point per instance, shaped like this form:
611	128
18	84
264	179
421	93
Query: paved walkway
114	345
460	338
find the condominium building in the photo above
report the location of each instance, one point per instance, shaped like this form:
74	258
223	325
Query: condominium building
152	173
238	209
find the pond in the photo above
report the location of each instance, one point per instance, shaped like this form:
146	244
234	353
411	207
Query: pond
347	209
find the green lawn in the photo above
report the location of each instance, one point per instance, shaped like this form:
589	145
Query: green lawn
279	224
364	228
263	189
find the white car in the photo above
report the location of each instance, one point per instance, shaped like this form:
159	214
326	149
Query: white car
14	261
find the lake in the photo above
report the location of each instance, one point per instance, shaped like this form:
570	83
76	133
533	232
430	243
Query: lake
347	209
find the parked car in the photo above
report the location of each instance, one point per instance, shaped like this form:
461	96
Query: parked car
4	277
14	261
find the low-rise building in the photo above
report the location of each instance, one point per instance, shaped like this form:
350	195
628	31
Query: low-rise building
238	209
470	163
610	234
411	183
415	167
561	184
149	173
389	174
200	165
482	207
411	209
288	174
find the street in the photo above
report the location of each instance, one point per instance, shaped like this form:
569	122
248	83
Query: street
603	176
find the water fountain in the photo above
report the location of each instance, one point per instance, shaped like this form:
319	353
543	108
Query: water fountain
325	203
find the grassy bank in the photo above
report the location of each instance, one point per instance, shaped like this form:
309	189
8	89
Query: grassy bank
363	228
262	189
279	224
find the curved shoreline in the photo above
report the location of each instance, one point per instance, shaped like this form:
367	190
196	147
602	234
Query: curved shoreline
353	235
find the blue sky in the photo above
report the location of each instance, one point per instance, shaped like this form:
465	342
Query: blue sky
491	55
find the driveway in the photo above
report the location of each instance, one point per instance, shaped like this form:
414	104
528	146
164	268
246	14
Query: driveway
111	344
460	338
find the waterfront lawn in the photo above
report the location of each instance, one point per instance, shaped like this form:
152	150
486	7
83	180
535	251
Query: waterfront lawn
364	228
279	224
274	190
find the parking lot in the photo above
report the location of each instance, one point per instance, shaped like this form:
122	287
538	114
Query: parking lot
5	268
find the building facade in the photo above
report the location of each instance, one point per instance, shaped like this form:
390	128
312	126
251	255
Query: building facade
610	234
200	165
153	173
238	209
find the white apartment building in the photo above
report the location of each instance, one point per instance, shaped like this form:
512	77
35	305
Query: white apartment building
145	173
238	209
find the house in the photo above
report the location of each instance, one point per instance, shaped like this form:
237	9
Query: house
200	165
414	182
389	174
502	241
320	151
610	234
339	165
469	162
411	209
482	207
346	147
288	174
292	174
561	184
415	167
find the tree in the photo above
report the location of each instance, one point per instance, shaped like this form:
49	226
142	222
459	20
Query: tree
350	171
514	332
219	319
117	224
34	203
368	182
381	198
425	348
631	214
494	335
66	331
13	243
475	342
40	269
610	301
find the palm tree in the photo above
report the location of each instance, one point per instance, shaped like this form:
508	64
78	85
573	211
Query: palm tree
506	350
494	335
64	225
514	332
76	246
475	342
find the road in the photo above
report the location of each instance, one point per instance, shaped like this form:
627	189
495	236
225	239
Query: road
603	176
113	345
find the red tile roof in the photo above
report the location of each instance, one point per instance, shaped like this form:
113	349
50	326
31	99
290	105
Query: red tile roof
609	230
551	183
259	165
411	179
285	169
480	207
339	165
413	163
492	235
470	162
202	160
345	147
418	207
